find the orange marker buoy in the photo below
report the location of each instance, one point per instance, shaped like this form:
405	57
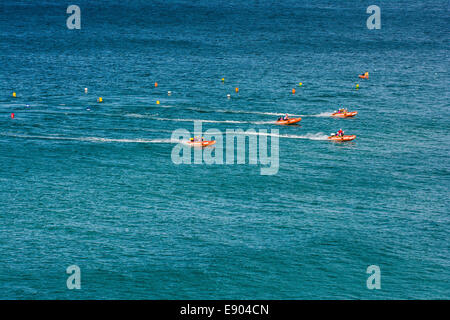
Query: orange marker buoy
237	89
156	84
12	115
293	91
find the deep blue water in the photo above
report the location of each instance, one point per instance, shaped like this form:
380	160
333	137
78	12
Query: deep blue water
97	188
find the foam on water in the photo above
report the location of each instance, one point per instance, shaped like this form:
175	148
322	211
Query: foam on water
88	139
320	115
308	136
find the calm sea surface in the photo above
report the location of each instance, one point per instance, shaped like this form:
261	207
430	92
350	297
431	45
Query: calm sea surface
93	184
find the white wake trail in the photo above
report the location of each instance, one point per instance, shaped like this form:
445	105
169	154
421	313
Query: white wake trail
320	115
308	136
88	139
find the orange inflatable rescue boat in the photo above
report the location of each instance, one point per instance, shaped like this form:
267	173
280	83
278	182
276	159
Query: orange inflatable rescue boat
342	138
345	114
288	121
364	76
201	143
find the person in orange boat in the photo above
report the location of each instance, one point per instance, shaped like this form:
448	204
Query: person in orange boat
340	133
286	117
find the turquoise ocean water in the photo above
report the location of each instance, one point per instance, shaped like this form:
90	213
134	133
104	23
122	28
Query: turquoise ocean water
93	184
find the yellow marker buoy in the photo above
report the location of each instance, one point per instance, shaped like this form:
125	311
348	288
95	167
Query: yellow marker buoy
357	86
157	101
100	99
223	79
14	94
237	89
300	84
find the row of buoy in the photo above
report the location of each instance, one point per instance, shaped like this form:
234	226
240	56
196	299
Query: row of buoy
300	84
169	93
237	89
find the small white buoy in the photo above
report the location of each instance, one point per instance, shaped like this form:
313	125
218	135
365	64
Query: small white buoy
228	96
85	90
169	93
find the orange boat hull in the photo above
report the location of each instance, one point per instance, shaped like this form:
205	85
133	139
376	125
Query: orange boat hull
289	121
201	143
363	77
345	114
343	138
